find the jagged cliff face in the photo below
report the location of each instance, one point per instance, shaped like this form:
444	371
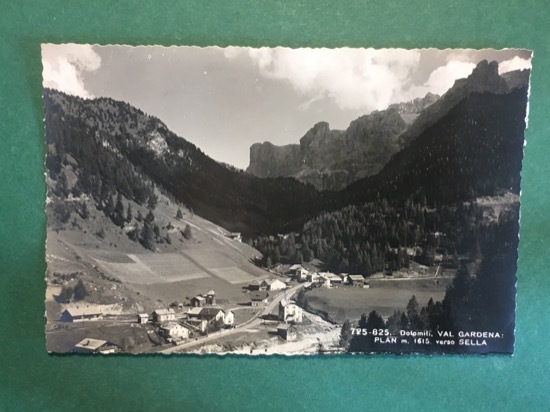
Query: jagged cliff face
332	159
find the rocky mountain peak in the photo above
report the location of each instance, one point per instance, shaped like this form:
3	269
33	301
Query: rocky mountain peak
484	77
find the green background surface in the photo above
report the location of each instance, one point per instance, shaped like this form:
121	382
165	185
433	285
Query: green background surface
30	379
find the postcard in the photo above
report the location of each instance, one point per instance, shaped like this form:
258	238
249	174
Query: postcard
282	201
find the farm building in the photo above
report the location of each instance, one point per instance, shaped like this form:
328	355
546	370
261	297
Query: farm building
173	330
89	345
164	315
143	318
287	331
81	314
356	280
259	298
255	285
290	312
198	301
273	284
211	297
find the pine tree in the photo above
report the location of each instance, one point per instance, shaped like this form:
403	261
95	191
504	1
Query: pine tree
147	237
129	213
412	313
84	213
152	202
109	206
65	295
187	232
301	299
179	214
80	291
118	213
62	185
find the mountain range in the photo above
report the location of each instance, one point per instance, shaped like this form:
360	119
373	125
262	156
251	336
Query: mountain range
333	159
464	144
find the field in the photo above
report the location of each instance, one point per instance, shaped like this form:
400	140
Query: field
384	296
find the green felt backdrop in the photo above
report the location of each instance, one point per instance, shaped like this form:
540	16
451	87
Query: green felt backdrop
30	379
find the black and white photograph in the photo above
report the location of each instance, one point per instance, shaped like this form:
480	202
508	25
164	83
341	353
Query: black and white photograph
260	201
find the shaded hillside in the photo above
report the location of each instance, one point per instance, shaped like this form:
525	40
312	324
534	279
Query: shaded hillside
474	150
484	78
120	148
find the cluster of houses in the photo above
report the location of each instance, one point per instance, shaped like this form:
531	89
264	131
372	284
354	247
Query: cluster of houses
174	326
204	299
260	290
326	279
267	285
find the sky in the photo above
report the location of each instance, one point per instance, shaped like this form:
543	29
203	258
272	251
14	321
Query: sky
226	99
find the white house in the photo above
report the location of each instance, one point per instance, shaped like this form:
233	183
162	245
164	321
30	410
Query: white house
229	318
173	330
314	277
143	318
164	315
298	272
273	284
290	312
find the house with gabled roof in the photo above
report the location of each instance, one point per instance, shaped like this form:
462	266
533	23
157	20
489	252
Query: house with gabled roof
173	330
290	312
211	314
259	298
356	280
164	315
298	272
273	284
90	345
198	301
254	285
287	331
81	314
143	318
